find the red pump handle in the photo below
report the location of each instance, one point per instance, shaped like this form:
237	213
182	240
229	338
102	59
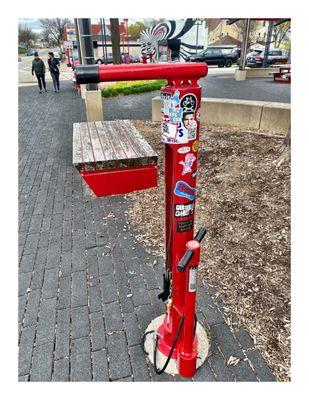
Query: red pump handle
133	72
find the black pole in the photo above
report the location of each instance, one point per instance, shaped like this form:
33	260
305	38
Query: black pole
77	40
87	46
102	40
105	45
267	44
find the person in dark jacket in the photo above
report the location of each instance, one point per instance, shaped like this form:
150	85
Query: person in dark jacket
53	64
38	67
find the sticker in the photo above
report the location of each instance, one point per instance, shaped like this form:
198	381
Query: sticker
175	99
187	164
184	150
192	278
185	226
182	189
165	102
188	104
198	114
175	114
195	146
193	175
184	210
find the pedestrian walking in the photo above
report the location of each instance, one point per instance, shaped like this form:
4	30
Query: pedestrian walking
53	64
38	67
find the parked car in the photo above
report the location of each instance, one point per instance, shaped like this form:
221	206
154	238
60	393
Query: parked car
100	60
250	55
222	56
134	58
275	56
30	52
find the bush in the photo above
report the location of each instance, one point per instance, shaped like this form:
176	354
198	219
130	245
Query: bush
132	87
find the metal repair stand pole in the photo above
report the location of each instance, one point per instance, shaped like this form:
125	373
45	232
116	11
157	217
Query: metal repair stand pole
178	334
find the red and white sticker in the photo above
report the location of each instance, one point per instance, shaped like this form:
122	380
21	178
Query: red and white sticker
192	279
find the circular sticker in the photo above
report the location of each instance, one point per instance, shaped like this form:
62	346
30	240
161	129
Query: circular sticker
184	150
195	146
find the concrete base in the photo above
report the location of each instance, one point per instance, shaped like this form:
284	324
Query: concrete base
203	347
94	105
240	75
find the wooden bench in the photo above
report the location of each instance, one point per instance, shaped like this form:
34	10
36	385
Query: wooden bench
113	157
284	74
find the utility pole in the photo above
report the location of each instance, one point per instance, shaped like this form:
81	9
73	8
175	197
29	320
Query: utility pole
87	55
267	44
198	23
102	40
242	64
115	40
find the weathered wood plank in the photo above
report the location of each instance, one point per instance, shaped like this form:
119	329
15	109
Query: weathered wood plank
110	144
88	159
77	149
98	153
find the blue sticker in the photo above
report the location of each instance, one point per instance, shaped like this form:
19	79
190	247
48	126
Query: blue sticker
182	189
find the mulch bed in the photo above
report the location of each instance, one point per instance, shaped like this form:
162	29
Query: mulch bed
244	202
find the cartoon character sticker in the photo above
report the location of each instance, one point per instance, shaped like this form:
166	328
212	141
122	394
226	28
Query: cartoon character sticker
187	164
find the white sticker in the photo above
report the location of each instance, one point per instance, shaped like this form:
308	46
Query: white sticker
192	279
184	150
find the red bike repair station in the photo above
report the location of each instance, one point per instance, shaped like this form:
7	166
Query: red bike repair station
174	342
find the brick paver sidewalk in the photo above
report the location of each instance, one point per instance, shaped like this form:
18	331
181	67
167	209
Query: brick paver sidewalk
87	291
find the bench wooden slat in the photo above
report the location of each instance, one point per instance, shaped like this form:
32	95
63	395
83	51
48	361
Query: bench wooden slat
87	150
108	150
138	139
112	136
98	153
130	151
77	150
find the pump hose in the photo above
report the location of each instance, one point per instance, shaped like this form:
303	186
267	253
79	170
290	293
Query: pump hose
160	371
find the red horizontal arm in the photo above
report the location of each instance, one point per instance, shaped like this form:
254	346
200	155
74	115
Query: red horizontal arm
133	72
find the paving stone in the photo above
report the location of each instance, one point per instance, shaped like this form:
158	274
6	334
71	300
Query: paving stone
100	366
139	292
113	317
25	350
64	295
243	372
226	341
260	366
66	263
39	269
105	263
212	315
132	329
46	322
23	378
119	363
62	348
108	289
97	331
50	283
95	300
93	270
26	263
126	302
22	302
32	310
243	338
139	364
24	283
31	243
222	372
79	289
81	360
80	322
145	314
53	255
204	374
42	362
61	371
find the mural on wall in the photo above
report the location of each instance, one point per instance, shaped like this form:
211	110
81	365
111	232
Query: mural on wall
182	38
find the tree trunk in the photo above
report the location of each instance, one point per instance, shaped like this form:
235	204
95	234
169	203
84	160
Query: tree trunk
115	37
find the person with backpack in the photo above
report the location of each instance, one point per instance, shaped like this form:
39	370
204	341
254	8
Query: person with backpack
53	64
38	67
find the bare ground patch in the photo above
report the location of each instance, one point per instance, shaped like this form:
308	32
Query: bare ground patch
244	202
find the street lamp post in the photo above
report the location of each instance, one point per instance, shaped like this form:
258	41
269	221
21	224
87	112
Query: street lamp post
198	22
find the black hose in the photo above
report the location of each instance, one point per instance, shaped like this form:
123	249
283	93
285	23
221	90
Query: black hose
160	371
143	341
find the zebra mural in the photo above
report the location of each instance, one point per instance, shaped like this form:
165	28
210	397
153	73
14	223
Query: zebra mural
178	35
